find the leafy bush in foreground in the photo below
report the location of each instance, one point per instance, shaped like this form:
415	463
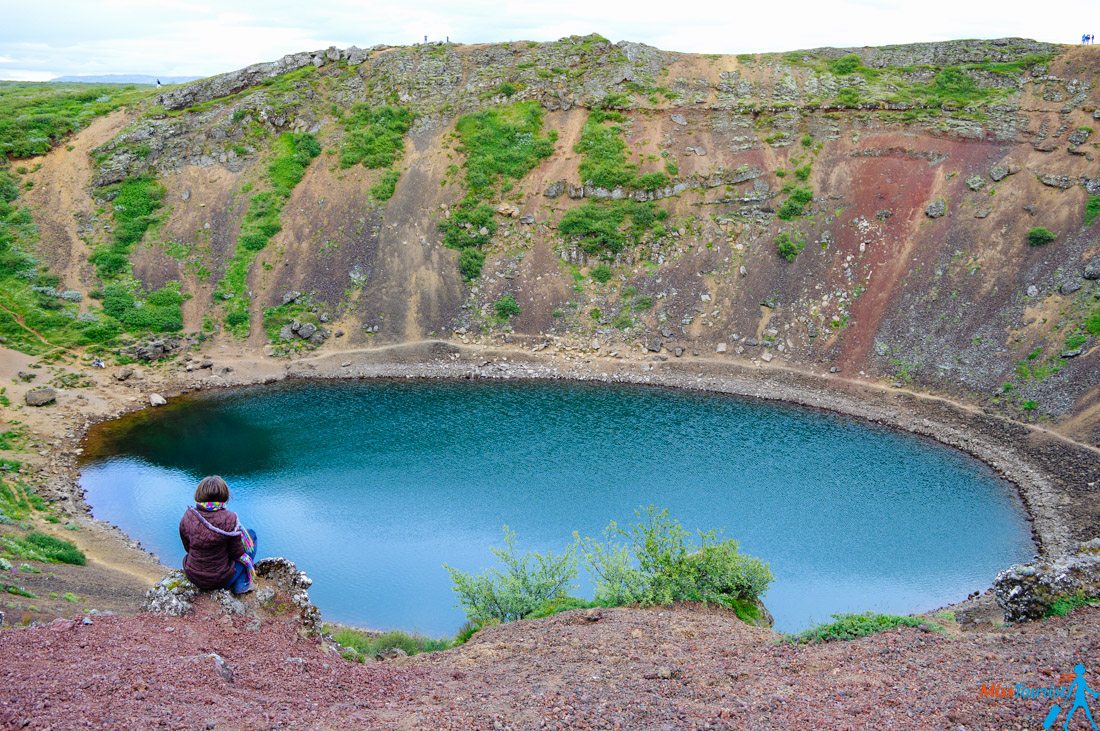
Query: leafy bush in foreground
526	583
653	562
1039	236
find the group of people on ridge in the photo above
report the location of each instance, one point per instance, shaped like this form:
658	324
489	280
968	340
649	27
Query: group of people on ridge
1088	38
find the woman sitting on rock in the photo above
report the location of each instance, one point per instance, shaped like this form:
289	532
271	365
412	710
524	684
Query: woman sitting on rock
219	550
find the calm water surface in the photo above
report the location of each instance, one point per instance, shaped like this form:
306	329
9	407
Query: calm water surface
371	486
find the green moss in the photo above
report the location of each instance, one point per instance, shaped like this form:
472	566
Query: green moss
370	644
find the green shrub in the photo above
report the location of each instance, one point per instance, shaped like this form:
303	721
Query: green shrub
159	311
384	189
601	273
464	227
135	205
796	202
1092	209
470	262
656	561
559	605
1040	236
598	227
368	644
506	308
851	626
603	152
524	584
845	65
651	181
789	248
502	143
374	136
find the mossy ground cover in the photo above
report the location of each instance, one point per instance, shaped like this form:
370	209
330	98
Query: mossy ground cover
34	117
502	145
293	153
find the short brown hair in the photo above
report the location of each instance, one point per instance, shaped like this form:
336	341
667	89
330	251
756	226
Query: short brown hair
212	489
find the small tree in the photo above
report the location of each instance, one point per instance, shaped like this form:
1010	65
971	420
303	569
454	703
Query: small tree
525	583
1040	236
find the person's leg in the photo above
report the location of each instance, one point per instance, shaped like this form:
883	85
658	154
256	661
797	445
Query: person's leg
239	583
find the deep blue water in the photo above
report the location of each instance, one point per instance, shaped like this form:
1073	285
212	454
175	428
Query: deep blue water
371	486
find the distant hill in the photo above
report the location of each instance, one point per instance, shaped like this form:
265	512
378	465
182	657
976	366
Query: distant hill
124	79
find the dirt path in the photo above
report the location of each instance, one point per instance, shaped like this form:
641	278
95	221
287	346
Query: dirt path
60	200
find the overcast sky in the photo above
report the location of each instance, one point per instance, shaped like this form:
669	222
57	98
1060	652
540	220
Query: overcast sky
42	39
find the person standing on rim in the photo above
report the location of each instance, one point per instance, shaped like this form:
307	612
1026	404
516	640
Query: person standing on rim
219	550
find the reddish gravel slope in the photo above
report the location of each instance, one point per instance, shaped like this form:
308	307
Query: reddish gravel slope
685	668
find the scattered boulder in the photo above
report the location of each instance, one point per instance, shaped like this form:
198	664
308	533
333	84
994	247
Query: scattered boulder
1092	269
291	296
124	374
555	189
1032	291
285	575
26	376
173	595
1003	170
936	209
155	399
654	345
721	348
679	119
40	396
1027	591
306	330
1070	287
975	182
1062	182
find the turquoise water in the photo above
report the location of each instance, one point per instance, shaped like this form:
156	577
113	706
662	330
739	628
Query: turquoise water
371	486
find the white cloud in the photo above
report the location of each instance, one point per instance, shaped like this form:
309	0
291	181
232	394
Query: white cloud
178	37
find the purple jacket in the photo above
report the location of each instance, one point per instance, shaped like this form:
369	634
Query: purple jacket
211	557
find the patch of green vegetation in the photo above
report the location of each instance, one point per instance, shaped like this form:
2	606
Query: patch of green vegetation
34	117
604	156
36	546
851	626
159	311
658	561
1076	340
34	317
1092	209
293	154
601	273
524	583
275	318
374	135
135	203
384	189
18	591
601	227
1066	604
370	645
1040	236
506	308
501	144
18	500
795	205
789	247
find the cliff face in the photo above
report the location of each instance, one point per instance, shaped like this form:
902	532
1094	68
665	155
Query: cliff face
867	210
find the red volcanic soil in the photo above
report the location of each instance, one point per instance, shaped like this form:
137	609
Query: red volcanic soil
678	668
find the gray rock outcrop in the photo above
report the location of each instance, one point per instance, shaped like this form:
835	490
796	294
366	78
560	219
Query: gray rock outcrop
1027	591
40	396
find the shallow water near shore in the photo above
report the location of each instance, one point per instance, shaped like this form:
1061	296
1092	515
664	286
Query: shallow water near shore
371	486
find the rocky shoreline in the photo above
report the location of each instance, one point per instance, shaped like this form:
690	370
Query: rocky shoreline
1053	475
